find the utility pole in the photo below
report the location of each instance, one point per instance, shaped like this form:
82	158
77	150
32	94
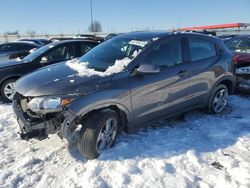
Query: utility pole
91	15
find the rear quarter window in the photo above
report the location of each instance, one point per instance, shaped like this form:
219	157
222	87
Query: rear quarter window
201	49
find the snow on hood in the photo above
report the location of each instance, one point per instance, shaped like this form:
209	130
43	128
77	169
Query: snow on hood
82	67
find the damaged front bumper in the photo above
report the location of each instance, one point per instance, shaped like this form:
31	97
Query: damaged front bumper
39	128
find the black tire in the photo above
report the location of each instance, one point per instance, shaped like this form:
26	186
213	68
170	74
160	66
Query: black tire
92	127
211	109
5	83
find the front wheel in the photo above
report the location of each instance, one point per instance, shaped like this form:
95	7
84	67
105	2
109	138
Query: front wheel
98	133
218	99
8	90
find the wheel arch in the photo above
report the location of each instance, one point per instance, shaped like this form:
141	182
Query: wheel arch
121	111
228	81
14	76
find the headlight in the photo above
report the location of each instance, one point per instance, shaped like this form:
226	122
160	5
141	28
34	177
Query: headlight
243	70
46	105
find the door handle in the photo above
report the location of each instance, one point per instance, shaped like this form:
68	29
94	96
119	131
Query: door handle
182	73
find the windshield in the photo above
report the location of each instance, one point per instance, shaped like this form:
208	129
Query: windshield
239	45
37	53
106	54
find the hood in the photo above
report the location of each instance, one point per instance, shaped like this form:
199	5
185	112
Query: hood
59	79
6	64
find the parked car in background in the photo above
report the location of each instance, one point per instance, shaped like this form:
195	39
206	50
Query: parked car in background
227	37
239	45
80	36
57	39
56	52
89	36
205	32
13	50
41	42
124	83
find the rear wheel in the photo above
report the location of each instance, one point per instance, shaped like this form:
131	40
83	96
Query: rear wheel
218	99
8	90
98	133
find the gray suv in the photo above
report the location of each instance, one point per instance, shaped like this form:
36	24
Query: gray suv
124	83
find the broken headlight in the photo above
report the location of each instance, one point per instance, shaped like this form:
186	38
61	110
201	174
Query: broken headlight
44	105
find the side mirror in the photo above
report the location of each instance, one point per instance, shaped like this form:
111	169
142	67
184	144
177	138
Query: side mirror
32	50
148	69
44	60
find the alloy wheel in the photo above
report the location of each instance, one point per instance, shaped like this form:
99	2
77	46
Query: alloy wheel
107	135
9	90
220	100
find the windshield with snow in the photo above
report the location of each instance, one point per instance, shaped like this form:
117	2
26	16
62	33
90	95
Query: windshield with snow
108	53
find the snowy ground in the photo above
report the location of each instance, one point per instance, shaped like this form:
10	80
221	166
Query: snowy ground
200	151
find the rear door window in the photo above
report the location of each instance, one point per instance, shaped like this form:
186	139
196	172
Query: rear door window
201	49
166	54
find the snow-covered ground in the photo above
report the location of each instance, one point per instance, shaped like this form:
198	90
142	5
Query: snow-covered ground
199	151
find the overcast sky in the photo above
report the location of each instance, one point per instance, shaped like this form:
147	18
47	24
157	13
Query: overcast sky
73	16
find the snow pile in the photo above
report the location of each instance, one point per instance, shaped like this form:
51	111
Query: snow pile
199	151
82	68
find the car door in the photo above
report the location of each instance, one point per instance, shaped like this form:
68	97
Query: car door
204	54
162	93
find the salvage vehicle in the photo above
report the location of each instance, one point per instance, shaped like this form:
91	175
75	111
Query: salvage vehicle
125	83
240	46
13	50
10	71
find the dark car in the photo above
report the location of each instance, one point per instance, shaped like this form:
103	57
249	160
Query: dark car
88	36
225	38
125	83
41	42
57	39
13	50
240	46
205	32
10	71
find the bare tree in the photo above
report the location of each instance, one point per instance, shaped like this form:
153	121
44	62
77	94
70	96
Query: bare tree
95	27
11	32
